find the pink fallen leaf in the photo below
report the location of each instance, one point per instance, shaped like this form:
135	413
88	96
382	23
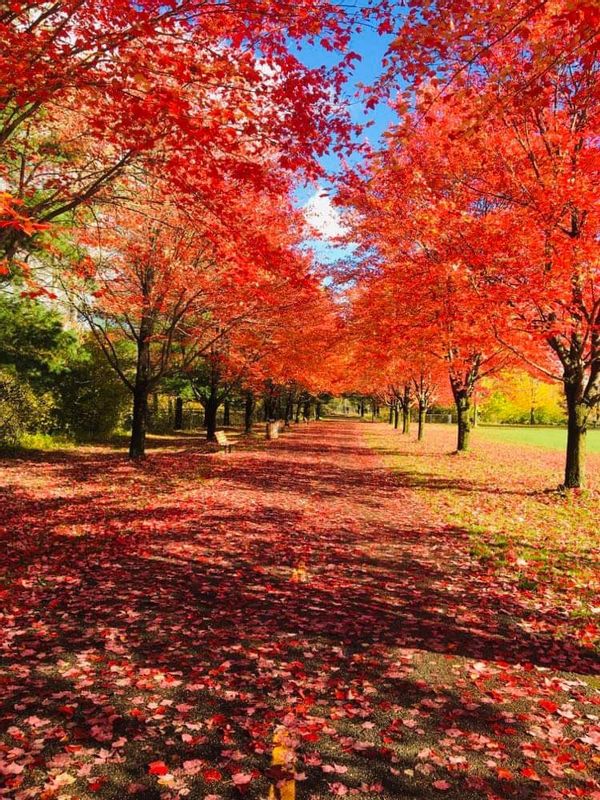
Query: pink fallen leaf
241	778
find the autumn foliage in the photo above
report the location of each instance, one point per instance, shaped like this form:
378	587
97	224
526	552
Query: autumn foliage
481	211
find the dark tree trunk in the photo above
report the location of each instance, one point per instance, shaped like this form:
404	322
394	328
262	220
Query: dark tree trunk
289	409
226	413
463	404
137	442
178	413
577	415
267	407
396	416
141	390
406	410
306	410
391	419
362	408
153	411
298	410
211	407
248	412
318	410
421	428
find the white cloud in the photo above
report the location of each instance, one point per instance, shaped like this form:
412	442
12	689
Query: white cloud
322	217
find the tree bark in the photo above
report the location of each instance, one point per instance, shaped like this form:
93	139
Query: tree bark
137	442
318	410
267	407
211	407
362	408
463	405
178	413
396	416
406	400
289	409
141	390
421	428
306	411
391	419
248	412
226	413
577	412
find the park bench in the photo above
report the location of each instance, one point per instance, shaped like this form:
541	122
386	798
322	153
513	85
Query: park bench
223	441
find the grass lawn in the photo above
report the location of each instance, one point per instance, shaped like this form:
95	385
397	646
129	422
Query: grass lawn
504	496
550	438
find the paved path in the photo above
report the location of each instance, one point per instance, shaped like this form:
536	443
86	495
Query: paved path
177	614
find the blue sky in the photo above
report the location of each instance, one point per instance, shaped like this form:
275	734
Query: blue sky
371	47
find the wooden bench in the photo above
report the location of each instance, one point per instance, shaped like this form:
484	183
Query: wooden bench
223	441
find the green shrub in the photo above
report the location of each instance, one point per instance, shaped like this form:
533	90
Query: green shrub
21	410
92	399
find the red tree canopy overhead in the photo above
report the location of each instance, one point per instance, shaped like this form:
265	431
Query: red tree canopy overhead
488	186
203	95
450	44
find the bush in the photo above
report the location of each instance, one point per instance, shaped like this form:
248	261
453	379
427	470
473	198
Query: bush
92	399
21	410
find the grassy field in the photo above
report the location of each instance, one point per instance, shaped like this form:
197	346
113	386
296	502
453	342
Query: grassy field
504	496
549	438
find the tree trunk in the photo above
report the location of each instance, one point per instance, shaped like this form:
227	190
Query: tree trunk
211	406
306	411
178	413
141	390
464	423
318	410
406	410
267	407
226	413
248	412
391	419
289	409
421	428
137	442
576	433
298	410
396	416
362	408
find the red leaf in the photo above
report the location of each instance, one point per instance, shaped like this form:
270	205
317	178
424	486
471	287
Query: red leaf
157	768
212	775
